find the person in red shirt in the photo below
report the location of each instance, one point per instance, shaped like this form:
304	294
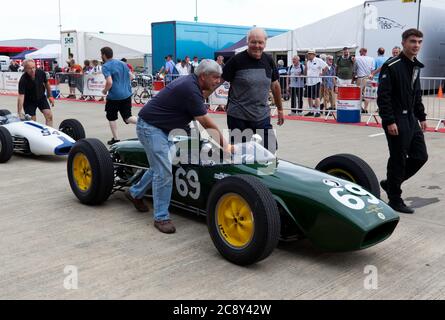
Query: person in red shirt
74	78
124	60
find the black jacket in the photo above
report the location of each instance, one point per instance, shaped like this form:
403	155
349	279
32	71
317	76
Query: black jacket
399	90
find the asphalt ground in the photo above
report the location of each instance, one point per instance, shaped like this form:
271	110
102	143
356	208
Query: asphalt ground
46	234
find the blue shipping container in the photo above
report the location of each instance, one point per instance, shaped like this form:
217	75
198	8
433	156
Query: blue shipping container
181	39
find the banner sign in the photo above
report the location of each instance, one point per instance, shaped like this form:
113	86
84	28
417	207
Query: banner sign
221	95
93	85
11	81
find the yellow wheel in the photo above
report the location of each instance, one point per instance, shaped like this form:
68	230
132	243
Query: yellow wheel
343	174
82	173
244	224
235	220
90	171
351	168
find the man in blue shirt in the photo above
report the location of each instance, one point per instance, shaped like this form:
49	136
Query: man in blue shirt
118	91
173	108
378	63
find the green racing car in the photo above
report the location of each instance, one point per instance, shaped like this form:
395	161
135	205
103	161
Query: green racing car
251	202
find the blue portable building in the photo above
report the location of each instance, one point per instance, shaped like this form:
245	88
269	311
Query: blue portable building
181	39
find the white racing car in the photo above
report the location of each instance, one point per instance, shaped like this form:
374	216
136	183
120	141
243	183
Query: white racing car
29	137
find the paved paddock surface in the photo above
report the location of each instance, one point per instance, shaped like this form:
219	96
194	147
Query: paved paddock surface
119	254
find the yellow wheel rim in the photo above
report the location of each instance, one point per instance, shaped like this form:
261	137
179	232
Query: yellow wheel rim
82	172
235	220
340	173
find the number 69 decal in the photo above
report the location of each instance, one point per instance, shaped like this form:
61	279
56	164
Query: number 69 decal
187	183
351	199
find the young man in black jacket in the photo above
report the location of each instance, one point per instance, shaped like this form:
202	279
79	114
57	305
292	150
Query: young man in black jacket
401	108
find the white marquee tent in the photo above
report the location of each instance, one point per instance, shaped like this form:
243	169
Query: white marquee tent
331	34
50	51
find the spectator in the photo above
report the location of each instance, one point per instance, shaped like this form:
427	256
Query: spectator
189	65
173	108
314	69
220	61
69	61
282	70
13	66
396	51
87	69
169	68
124	60
379	61
195	63
364	66
118	87
330	84
97	68
182	68
56	68
252	74
403	118
74	78
345	68
295	85
32	86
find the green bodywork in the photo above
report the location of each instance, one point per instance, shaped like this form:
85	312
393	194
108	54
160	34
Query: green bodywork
311	203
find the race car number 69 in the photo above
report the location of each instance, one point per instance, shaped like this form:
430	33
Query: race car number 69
187	183
352	200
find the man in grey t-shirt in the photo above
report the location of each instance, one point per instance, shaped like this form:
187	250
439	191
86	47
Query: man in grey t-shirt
252	74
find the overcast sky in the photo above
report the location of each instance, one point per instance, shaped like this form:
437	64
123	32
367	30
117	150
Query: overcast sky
40	19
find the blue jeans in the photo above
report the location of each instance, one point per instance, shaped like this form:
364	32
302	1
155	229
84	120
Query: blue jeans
159	177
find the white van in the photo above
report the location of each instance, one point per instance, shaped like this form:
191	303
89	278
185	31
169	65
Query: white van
4	63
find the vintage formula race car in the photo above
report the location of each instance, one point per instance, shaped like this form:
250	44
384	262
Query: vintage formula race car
253	202
29	137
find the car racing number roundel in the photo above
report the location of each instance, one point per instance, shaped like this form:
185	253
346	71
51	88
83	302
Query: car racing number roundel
187	183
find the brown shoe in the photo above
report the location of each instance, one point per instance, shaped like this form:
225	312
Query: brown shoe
165	226
139	204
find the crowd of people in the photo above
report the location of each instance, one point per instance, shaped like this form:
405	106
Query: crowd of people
318	78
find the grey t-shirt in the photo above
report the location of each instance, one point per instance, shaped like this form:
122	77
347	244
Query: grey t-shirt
250	80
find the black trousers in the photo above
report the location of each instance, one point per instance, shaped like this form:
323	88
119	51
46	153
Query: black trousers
296	94
407	154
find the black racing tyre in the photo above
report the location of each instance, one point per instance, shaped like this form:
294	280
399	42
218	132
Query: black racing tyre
73	128
6	145
4	112
351	168
243	219
90	171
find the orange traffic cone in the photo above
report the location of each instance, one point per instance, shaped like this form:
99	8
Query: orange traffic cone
440	93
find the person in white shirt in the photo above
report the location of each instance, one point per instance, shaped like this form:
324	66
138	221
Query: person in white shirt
182	68
315	67
363	67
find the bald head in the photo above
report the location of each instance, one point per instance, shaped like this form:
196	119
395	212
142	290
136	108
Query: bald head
256	42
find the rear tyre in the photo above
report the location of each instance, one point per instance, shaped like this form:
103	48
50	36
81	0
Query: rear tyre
6	145
73	128
144	97
4	112
243	224
90	171
351	168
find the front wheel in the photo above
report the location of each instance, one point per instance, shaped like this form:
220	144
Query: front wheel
90	171
243	219
351	168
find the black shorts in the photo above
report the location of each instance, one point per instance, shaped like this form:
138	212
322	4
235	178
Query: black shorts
31	107
313	92
113	107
